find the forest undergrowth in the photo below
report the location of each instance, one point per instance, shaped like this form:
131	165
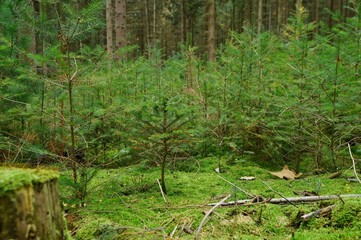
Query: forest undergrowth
126	203
123	131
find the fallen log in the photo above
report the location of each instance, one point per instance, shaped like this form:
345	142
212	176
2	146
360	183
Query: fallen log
290	199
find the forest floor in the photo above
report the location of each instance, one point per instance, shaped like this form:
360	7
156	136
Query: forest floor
126	203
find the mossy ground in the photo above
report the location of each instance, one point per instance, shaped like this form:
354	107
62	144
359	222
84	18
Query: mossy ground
126	203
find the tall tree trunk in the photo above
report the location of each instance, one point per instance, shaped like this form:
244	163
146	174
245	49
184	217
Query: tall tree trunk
183	21
39	49
330	20
279	15
317	14
270	12
211	33
109	20
233	16
154	19
260	16
241	16
147	26
120	25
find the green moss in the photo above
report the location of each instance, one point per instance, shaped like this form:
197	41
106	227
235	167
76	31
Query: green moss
119	206
14	178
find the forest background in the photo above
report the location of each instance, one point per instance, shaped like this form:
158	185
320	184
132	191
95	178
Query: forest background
112	83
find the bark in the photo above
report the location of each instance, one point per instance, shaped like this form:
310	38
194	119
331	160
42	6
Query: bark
147	24
120	25
279	14
260	16
39	49
211	33
270	12
317	14
32	212
109	17
183	22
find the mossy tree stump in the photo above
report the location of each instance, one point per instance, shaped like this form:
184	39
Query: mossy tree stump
29	205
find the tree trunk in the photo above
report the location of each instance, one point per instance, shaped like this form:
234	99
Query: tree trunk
211	33
317	14
278	15
241	16
183	22
147	25
32	209
120	25
109	20
260	16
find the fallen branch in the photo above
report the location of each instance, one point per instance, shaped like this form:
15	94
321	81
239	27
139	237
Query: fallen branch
240	189
278	193
209	213
173	232
290	199
163	195
353	163
319	213
335	175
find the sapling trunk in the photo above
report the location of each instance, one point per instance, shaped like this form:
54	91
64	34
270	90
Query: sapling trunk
165	147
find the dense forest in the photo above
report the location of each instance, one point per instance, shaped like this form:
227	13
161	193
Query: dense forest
101	84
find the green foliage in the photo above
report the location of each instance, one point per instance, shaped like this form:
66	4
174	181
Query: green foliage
78	191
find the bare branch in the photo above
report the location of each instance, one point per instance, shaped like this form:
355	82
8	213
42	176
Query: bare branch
209	213
353	162
242	190
278	193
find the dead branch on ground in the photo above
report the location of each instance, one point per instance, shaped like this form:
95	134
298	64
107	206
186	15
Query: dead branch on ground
318	213
242	190
278	193
209	213
163	195
290	199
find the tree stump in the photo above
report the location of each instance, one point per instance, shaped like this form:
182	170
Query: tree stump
29	205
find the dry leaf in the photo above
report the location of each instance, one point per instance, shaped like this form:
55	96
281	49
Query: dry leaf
286	173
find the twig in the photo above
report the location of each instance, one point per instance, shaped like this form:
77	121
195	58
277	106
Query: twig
318	213
161	190
209	213
242	190
278	194
291	199
174	231
353	162
22	145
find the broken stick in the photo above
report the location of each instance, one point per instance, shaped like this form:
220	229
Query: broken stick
353	162
278	193
161	190
320	212
240	189
290	199
209	213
